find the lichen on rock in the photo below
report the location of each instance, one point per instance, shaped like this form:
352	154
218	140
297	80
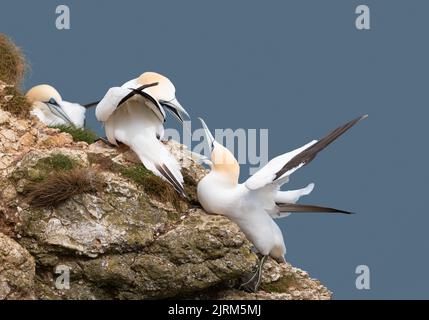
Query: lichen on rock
17	271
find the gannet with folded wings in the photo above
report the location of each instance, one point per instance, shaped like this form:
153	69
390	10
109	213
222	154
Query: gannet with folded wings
52	110
254	204
134	114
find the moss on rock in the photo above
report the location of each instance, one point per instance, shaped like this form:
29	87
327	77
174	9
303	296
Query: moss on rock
78	134
56	162
281	285
154	185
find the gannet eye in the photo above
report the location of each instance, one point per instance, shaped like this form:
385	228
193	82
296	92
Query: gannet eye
53	101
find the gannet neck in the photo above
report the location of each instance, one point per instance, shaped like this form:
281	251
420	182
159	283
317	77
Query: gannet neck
225	165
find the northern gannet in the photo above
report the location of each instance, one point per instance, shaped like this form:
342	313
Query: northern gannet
52	110
254	204
134	114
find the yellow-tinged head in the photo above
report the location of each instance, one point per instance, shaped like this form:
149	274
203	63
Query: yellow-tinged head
165	89
163	92
43	93
223	161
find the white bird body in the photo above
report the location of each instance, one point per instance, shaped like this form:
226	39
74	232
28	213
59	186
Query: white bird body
52	110
140	129
253	204
131	119
74	111
247	208
252	209
134	115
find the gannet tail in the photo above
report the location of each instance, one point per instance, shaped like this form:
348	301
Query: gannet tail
156	158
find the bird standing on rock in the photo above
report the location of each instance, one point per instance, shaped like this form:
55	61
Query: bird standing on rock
254	204
134	114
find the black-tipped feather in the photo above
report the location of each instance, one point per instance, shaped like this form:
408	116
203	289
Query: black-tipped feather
309	154
293	207
137	91
90	105
166	173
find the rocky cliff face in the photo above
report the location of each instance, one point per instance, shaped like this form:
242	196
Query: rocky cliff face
126	238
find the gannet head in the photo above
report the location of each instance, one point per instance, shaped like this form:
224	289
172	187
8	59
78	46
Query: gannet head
43	93
164	92
46	99
223	161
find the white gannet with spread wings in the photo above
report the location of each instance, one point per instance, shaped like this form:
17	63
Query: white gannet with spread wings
134	114
254	204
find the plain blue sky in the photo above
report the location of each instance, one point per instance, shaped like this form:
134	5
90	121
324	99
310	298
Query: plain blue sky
299	68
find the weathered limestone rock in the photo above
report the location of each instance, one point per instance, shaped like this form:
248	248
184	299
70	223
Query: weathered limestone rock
125	241
17	271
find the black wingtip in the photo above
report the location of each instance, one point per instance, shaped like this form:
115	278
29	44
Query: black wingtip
310	153
308	208
346	212
166	173
90	105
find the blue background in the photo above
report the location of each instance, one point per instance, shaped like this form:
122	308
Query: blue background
299	68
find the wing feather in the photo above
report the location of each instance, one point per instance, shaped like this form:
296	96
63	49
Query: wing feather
279	169
267	174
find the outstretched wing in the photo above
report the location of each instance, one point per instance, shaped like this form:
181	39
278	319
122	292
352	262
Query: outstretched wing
309	154
267	174
279	169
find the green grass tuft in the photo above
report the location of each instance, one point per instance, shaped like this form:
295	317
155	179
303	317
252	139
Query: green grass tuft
85	135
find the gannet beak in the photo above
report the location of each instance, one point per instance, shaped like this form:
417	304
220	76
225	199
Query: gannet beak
175	108
210	139
58	111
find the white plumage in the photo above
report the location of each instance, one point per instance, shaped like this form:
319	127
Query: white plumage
254	204
134	114
52	110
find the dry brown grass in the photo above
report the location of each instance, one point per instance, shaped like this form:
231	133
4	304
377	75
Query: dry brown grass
12	100
12	70
61	186
12	62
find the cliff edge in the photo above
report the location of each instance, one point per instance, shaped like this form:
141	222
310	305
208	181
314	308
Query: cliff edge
88	221
123	238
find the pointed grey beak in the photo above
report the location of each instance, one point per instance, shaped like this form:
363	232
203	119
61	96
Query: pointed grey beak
210	139
58	111
175	108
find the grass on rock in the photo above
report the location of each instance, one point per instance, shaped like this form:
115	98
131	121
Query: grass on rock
85	135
